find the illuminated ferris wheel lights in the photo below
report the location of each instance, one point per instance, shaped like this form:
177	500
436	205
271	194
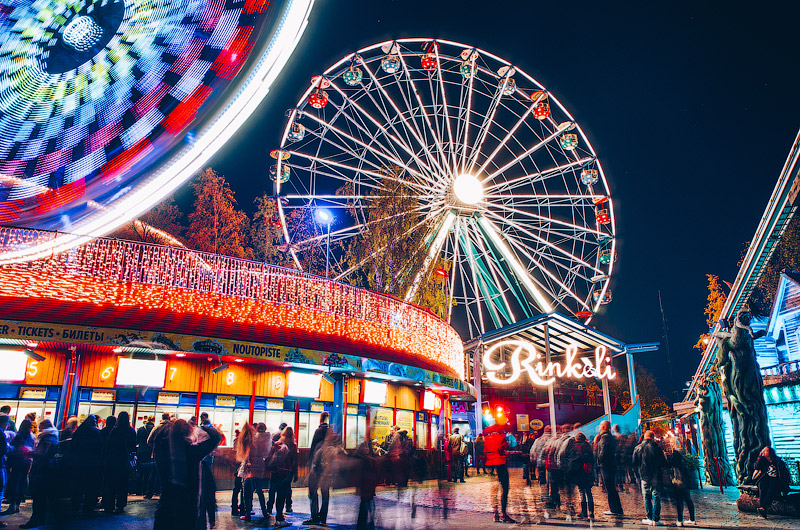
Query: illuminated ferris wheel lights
468	189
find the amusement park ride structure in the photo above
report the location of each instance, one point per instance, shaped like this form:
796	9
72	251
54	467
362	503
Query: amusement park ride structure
504	183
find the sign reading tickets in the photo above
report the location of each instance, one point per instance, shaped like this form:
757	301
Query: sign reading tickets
541	373
522	422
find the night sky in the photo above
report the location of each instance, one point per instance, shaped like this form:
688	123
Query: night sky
691	108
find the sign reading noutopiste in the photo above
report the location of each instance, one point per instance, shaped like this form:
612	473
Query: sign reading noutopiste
539	372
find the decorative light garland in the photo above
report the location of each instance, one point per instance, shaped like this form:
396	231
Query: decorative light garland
138	276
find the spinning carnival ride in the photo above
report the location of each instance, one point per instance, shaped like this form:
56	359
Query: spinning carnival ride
107	106
505	184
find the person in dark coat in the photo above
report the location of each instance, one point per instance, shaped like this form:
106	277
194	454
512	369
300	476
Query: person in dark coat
581	473
208	486
178	463
111	422
606	457
283	465
400	454
87	445
145	473
19	463
320	477
317	442
650	460
772	477
680	487
273	491
366	485
43	474
120	445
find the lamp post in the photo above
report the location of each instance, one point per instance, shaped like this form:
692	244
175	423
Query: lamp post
325	217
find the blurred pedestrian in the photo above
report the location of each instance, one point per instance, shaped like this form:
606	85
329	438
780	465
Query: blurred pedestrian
87	447
69	427
538	454
19	463
650	460
119	452
273	491
43	474
320	477
496	446
208	486
283	466
772	477
31	417
237	498
366	485
455	446
3	452
5	410
605	455
255	447
316	471
109	425
145	467
178	463
582	474
480	457
525	448
400	458
680	487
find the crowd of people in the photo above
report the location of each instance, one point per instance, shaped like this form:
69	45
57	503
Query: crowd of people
89	466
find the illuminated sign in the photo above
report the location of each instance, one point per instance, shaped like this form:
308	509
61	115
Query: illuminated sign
541	373
15	363
141	372
428	400
303	385
374	392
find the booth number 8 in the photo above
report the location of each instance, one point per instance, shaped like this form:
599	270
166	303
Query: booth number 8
229	379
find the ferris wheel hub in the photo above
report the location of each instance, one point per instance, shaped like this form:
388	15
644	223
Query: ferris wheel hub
468	189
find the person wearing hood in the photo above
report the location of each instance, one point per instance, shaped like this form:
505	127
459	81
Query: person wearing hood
87	444
109	425
178	463
42	475
121	443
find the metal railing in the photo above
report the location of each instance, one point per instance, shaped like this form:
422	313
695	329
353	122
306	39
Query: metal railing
781	369
115	260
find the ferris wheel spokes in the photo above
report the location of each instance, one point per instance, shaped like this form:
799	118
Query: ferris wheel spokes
431	160
527	153
424	113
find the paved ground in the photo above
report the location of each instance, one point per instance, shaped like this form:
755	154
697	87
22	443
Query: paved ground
469	508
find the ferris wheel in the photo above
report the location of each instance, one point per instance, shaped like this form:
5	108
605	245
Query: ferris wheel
498	182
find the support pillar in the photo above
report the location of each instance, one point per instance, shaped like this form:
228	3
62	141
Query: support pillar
337	412
68	398
199	394
477	356
252	403
550	395
606	400
631	377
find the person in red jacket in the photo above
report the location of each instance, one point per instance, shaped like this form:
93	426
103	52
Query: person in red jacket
495	447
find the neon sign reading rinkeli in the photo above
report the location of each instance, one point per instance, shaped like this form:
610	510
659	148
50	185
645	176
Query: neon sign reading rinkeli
544	374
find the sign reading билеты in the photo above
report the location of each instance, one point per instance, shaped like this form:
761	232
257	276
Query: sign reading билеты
526	358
